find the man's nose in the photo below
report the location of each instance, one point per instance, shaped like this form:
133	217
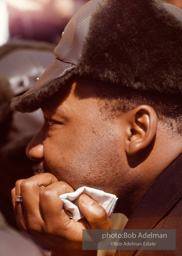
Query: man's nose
35	149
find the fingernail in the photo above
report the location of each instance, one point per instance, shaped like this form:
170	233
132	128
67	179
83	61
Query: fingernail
86	200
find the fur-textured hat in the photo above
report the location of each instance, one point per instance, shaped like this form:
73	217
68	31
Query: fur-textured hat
134	43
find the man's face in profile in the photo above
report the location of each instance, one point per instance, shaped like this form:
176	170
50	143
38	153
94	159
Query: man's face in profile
78	143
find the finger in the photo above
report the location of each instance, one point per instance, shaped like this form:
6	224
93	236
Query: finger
41	179
56	220
51	206
13	197
16	191
18	206
17	187
30	190
94	213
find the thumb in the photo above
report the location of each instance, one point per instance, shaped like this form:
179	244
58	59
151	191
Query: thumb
94	213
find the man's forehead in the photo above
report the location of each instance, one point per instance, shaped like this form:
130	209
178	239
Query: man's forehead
52	110
57	101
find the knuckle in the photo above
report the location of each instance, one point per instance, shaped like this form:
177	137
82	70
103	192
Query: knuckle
12	191
26	184
65	187
18	183
47	194
51	177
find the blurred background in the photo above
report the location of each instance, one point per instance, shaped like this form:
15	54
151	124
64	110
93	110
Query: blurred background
39	19
35	19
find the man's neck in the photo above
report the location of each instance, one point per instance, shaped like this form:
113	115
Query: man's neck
148	166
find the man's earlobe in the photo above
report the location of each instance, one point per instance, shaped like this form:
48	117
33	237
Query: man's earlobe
142	126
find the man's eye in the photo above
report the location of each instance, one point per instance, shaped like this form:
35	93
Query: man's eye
49	122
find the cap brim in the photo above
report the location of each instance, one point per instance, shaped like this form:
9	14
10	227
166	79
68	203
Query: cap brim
57	69
43	88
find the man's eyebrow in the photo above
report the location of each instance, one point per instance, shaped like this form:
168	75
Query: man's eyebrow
52	111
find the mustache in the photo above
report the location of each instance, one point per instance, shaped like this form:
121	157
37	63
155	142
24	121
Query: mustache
37	169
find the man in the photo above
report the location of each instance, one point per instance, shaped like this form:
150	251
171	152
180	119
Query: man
111	101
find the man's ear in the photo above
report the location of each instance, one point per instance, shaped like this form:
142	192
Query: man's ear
142	126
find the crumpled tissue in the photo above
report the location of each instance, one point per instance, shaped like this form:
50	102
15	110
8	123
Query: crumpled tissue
70	201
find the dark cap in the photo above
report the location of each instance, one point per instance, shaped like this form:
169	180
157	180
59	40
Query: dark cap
133	43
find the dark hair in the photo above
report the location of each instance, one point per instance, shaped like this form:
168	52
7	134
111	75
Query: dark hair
116	99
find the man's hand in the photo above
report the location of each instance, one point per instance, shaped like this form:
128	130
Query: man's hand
42	215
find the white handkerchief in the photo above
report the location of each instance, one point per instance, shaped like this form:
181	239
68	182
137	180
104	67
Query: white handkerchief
70	201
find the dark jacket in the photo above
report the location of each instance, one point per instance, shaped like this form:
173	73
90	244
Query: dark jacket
160	208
